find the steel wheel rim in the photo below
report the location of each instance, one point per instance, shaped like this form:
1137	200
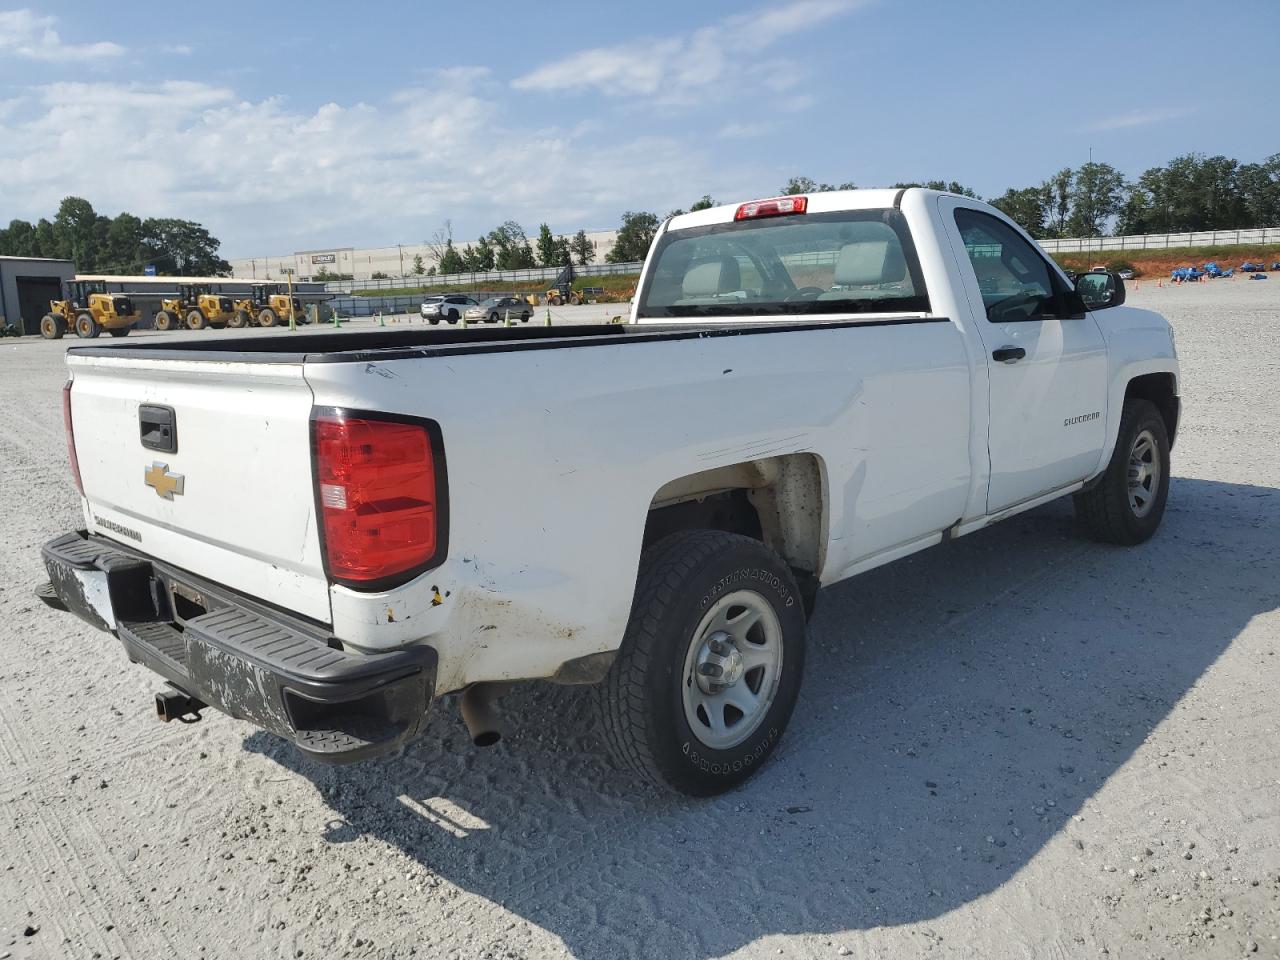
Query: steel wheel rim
741	637
1144	473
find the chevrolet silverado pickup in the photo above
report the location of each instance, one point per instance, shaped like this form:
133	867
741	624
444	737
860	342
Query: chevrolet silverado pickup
808	387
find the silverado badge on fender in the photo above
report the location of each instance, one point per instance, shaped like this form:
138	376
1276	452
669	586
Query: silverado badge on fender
166	484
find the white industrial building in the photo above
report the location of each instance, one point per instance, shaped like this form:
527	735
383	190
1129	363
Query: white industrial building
363	263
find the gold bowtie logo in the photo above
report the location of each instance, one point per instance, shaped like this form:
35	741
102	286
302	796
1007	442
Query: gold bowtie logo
164	483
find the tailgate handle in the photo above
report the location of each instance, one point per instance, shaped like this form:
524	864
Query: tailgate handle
158	428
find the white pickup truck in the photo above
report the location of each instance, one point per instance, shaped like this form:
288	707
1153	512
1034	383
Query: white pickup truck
808	387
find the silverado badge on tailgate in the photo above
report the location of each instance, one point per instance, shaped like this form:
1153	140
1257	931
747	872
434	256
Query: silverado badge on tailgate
166	484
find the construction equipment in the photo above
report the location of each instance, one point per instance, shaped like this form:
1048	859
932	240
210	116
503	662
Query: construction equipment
87	308
563	291
266	305
195	307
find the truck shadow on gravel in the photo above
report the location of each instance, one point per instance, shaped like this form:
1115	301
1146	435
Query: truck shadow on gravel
960	707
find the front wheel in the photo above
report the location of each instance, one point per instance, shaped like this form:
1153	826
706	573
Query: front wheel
86	326
239	319
710	665
164	320
52	327
267	318
1126	504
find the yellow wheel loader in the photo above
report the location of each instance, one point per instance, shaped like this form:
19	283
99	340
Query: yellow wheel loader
87	308
563	291
266	305
195	307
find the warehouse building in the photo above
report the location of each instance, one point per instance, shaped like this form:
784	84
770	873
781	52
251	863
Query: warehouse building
27	284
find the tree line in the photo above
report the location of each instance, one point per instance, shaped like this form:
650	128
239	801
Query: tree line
505	247
124	244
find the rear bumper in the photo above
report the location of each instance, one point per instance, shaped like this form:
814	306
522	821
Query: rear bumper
286	675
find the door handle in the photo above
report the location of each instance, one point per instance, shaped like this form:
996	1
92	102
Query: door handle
1008	354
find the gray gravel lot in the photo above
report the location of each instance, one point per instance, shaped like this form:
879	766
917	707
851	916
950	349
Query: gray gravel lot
1019	745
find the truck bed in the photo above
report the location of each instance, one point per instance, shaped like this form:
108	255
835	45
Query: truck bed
385	344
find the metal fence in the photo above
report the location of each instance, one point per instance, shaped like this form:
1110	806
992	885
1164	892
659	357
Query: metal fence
1161	241
534	275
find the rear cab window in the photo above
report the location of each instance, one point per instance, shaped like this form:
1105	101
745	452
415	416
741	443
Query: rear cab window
850	261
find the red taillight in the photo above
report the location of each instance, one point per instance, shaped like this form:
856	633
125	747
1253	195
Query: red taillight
71	436
376	487
775	207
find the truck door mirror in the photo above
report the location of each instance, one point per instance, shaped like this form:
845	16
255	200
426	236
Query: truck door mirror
1100	290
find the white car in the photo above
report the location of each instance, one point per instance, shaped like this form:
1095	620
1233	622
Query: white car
448	307
809	387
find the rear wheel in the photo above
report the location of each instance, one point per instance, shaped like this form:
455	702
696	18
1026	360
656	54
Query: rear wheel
164	320
239	319
1126	504
434	321
710	665
86	326
524	317
195	320
453	316
492	318
52	327
120	331
267	318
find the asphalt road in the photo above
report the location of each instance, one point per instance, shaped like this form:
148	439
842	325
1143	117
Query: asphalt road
1021	744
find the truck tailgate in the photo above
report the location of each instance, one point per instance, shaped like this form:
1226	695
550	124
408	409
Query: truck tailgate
233	499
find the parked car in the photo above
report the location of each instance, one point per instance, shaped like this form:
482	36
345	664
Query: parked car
448	308
497	309
809	388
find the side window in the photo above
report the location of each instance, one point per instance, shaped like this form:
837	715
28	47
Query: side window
1014	279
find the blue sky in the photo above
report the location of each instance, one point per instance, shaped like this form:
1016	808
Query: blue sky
284	127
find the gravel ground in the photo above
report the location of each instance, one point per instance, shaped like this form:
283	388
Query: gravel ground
1018	745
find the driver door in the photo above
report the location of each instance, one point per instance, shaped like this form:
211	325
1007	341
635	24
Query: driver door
1046	360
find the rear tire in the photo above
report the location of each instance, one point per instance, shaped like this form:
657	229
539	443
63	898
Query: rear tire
267	318
164	320
86	326
1127	503
434	321
52	327
524	317
120	331
239	319
195	320
453	316
705	601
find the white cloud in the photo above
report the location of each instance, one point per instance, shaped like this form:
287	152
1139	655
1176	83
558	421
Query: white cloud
178	50
1140	118
268	178
27	36
677	68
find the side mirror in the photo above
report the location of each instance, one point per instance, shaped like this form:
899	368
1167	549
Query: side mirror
1100	290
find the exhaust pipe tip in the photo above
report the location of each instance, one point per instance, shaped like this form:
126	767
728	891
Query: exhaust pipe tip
478	707
173	704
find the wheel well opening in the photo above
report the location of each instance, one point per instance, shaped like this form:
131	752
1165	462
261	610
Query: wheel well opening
1160	389
777	500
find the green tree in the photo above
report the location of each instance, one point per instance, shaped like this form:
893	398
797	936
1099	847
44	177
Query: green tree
706	203
582	249
797	185
550	250
948	186
1027	207
79	233
450	260
126	249
484	256
1059	189
419	268
19	240
634	237
1096	196
183	248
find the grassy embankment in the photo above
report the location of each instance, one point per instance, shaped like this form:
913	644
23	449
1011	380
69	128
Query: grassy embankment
1158	263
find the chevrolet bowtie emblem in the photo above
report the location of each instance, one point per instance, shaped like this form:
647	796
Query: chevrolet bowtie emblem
166	484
